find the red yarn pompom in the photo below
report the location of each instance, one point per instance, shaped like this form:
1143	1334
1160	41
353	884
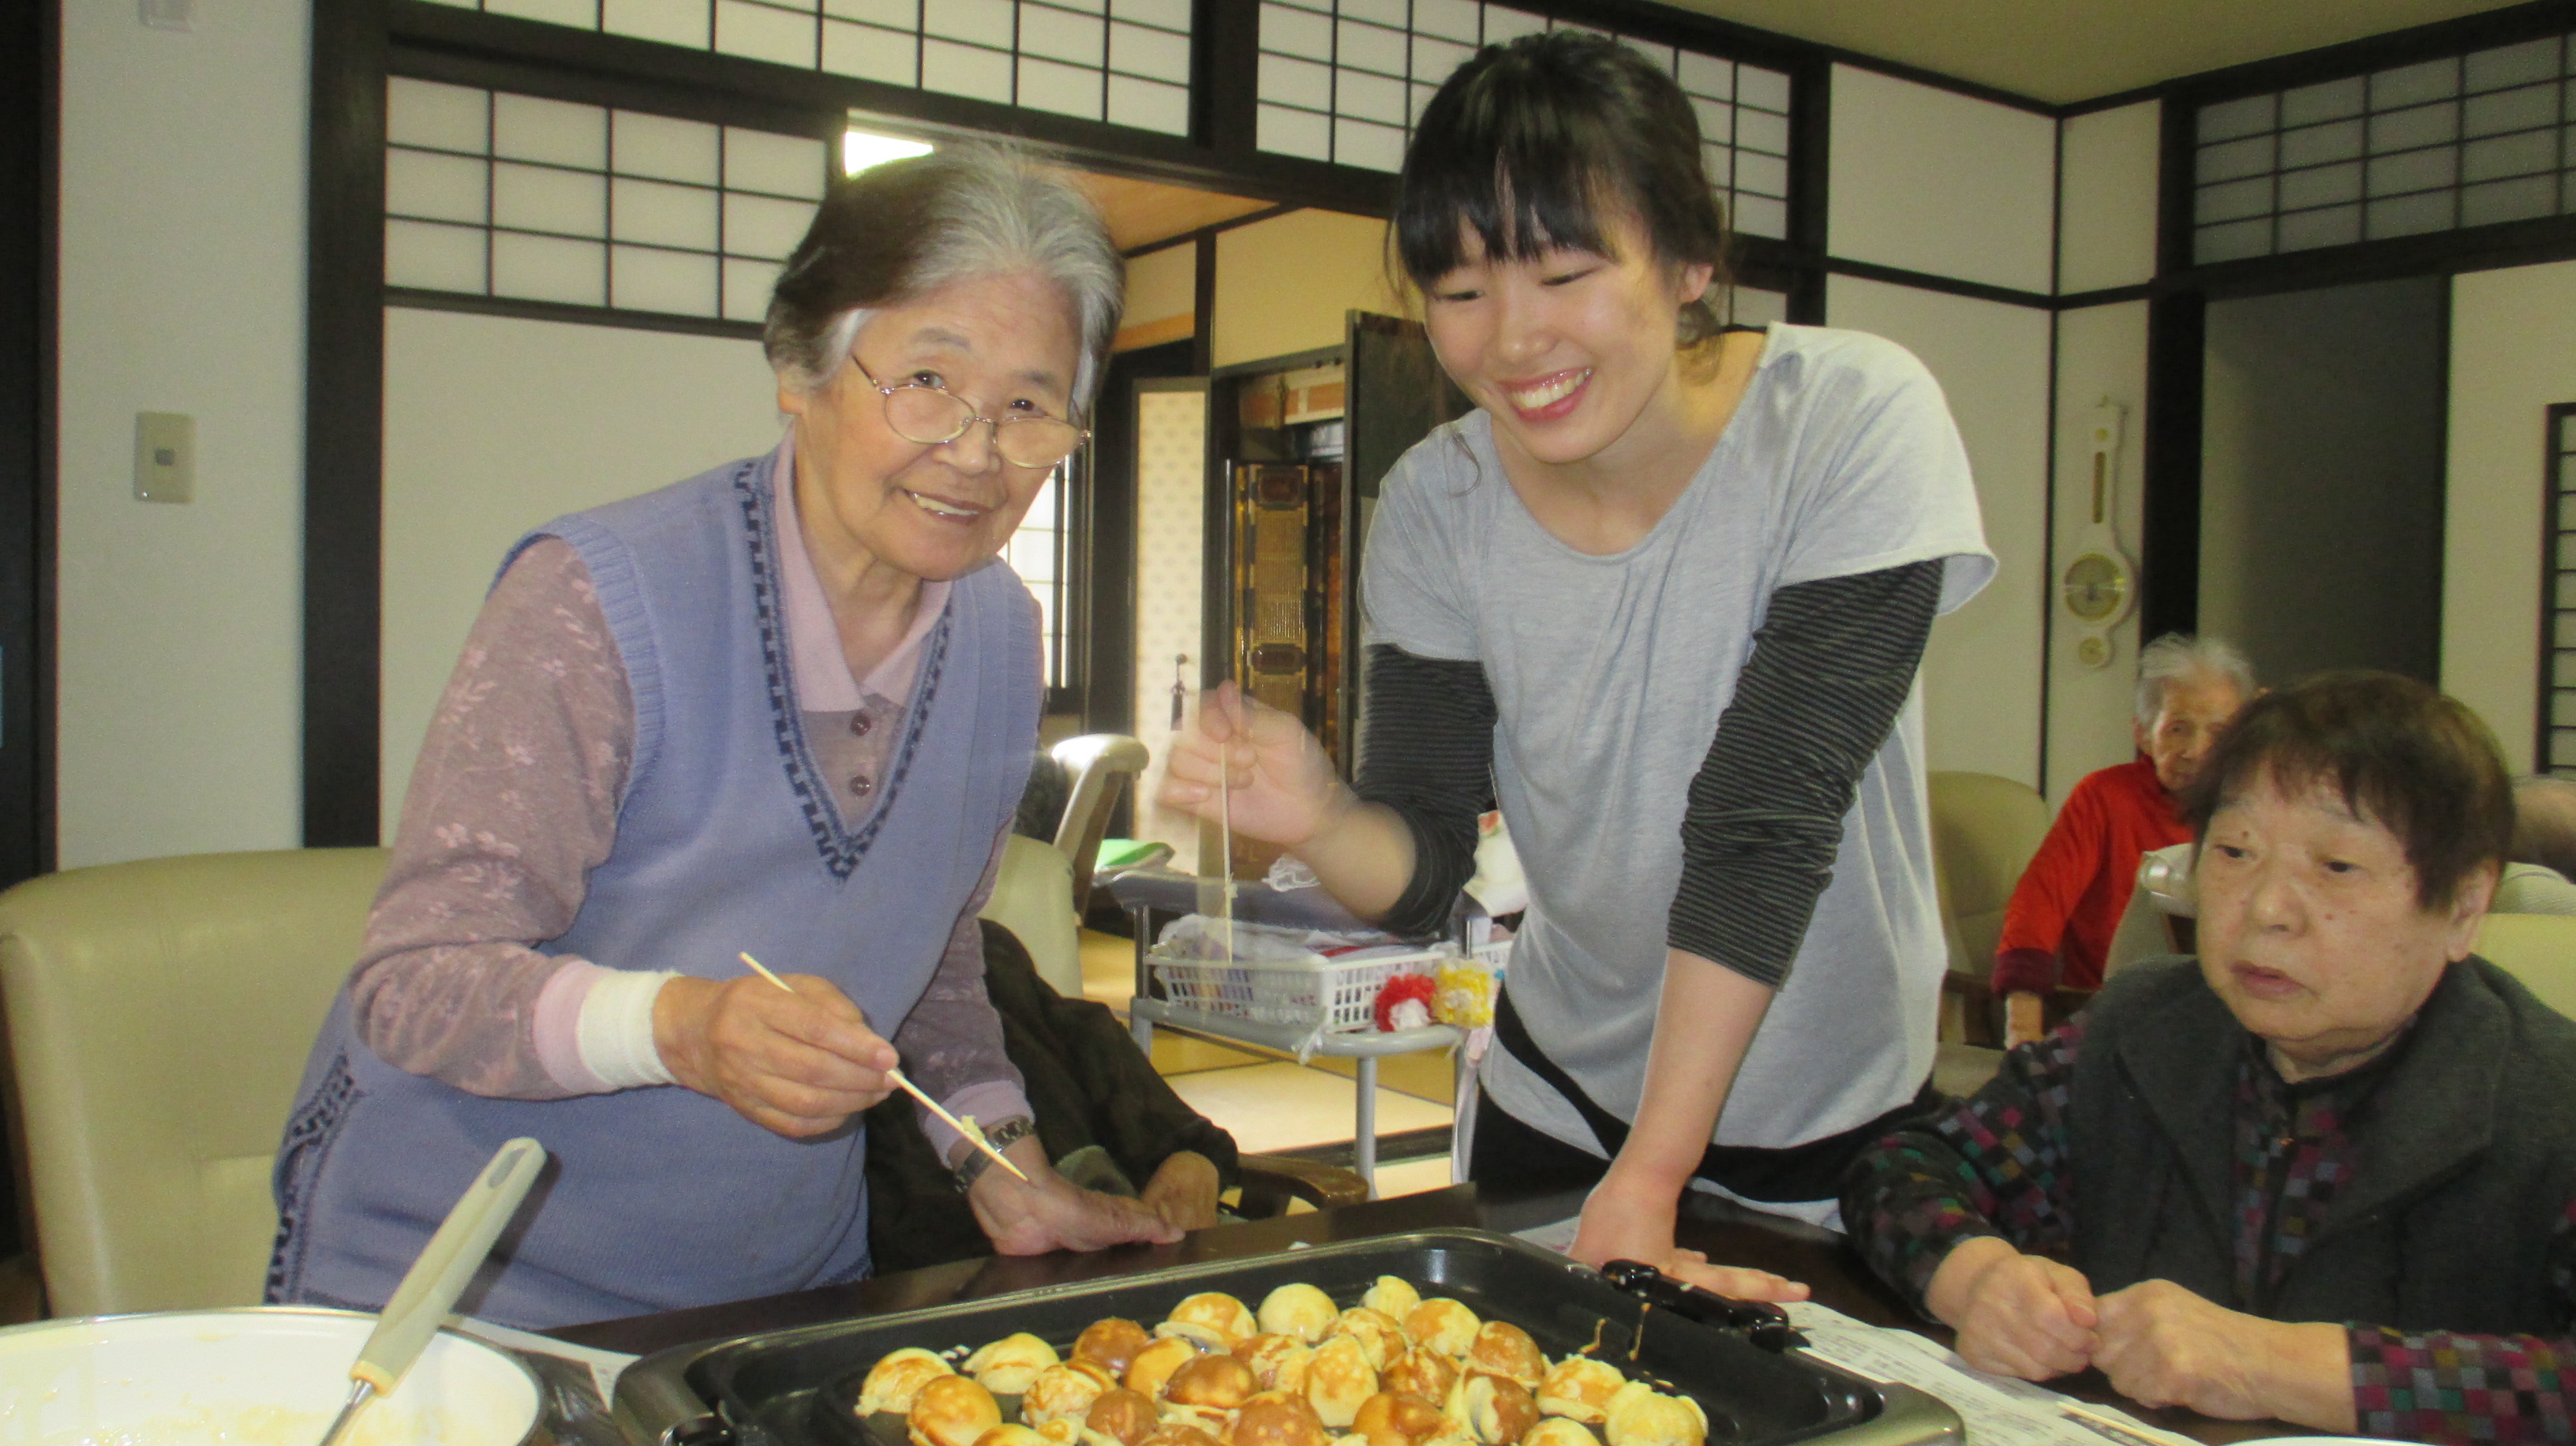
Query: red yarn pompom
1399	989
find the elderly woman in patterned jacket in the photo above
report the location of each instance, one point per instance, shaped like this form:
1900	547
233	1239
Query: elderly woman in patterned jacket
786	709
2324	1173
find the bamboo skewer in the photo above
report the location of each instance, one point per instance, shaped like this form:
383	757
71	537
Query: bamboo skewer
2122	1429
973	1135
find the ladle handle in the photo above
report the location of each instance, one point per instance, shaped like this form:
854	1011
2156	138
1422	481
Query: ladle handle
430	1289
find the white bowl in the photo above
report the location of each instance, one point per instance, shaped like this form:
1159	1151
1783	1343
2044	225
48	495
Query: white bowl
248	1377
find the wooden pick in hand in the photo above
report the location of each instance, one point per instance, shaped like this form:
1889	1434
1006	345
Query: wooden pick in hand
973	1135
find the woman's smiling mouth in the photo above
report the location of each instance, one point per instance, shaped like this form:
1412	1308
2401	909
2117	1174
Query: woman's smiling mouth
945	510
1548	397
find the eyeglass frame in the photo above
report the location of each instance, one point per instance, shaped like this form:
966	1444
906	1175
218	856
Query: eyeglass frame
1081	434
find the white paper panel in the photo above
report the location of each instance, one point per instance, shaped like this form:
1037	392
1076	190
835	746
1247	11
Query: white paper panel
1982	672
540	198
1933	181
870	53
762	226
762	32
1149	105
446	117
483	440
664	215
1065	89
777	164
2101	353
665	147
2513	353
549	268
642	278
529	128
438	187
2107	208
433	257
672	22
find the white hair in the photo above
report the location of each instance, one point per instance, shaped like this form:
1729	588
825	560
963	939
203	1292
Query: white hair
2179	658
964	211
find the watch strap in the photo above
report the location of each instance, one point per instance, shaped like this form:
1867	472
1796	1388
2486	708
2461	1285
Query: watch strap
1001	1137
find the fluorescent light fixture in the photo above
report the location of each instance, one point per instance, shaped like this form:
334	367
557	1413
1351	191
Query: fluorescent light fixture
860	150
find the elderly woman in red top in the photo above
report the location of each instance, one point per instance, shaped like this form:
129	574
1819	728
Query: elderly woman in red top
2069	900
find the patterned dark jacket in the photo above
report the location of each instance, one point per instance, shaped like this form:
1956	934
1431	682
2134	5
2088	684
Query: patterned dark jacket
2426	1201
2463	1160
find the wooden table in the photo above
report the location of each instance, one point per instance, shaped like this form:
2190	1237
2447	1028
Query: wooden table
1729	1234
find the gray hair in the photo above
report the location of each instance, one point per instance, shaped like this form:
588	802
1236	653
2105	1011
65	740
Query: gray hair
905	229
2179	657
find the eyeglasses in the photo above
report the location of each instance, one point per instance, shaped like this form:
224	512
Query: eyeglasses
929	415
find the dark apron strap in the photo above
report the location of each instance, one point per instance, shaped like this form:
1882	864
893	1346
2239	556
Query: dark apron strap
1812	1171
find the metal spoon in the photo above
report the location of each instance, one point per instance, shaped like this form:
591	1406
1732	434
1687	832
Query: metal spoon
434	1281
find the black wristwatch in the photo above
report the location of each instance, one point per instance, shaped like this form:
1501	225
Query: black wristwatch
1000	1137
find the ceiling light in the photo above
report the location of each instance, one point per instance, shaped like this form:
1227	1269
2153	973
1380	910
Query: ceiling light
860	150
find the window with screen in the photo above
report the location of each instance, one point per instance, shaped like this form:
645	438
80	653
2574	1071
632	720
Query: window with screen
488	193
1036	552
2557	751
1126	62
1343	80
2466	140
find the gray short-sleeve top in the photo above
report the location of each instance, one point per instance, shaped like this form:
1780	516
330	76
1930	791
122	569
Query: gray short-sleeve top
1609	674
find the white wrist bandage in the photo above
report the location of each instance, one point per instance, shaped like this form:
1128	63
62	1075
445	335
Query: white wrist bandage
615	1031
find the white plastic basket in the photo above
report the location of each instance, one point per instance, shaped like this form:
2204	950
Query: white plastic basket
1331	995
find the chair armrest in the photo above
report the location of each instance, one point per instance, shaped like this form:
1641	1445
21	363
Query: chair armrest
1977	1009
1980	1012
1271	1181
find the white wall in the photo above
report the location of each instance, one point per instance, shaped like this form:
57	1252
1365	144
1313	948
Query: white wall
182	290
1171	512
2106	237
1933	181
2513	353
2101	353
2106	205
1981	675
495	424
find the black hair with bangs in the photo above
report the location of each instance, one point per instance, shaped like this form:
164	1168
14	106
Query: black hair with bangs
1536	144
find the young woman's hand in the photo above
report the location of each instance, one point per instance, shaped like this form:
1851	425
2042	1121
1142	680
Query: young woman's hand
1282	788
797	1061
1629	1221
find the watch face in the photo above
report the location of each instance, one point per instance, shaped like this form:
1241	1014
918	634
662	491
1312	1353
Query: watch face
2095	587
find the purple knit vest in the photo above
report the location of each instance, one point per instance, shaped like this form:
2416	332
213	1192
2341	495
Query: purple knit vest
727	842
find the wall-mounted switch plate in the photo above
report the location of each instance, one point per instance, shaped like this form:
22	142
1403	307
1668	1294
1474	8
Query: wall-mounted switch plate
165	457
168	14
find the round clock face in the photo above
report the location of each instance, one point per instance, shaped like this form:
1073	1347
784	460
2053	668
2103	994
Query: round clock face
2095	587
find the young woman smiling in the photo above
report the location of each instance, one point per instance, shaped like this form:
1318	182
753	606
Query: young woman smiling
1663	597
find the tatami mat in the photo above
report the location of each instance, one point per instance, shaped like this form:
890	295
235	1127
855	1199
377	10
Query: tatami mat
1273	1107
1412	1177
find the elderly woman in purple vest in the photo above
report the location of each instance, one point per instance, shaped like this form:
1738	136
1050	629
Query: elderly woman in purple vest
785	709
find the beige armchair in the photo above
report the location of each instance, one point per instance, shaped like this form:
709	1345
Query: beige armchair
2539	950
1984	830
158	1017
1100	764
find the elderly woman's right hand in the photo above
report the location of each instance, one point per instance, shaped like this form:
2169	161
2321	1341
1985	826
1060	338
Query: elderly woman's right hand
798	1061
1282	787
2016	1315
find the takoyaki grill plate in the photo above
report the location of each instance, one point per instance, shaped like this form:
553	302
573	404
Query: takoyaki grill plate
795	1387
